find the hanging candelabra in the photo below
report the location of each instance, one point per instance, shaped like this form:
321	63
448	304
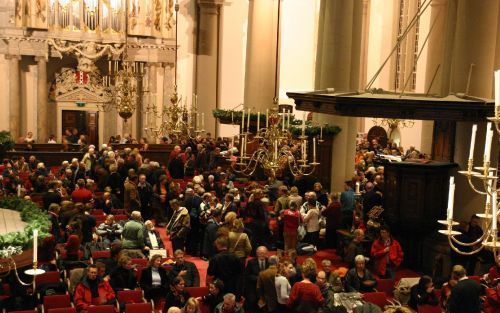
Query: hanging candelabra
277	149
177	122
483	181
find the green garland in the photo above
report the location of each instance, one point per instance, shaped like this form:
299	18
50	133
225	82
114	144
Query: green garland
32	215
235	117
6	141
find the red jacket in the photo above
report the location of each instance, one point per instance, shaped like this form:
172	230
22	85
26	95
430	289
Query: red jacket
379	256
492	303
83	295
81	195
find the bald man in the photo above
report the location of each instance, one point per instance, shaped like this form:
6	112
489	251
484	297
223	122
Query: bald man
252	271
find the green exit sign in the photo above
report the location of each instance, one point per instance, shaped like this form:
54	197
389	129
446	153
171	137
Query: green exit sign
80	104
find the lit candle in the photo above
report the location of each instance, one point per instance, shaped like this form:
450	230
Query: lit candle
35	245
451	195
357	187
494	212
314	149
258	120
267	118
109	66
497	93
472	142
243	120
487	143
248	122
283	121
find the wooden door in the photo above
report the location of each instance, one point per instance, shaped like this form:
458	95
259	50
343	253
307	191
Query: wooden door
443	141
85	121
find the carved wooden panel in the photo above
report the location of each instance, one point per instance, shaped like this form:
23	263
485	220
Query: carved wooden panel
443	140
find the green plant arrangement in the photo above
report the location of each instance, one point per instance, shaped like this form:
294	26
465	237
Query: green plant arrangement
234	117
6	142
32	216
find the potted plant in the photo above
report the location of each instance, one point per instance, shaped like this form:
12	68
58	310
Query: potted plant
6	142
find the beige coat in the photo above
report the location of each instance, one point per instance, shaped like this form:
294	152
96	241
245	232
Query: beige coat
242	247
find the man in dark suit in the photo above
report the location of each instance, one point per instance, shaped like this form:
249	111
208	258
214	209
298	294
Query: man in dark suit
187	270
465	296
252	271
370	199
266	288
192	203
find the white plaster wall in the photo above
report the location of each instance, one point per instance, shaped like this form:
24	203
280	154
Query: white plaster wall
232	56
30	100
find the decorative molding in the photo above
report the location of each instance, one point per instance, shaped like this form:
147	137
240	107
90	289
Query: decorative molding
73	85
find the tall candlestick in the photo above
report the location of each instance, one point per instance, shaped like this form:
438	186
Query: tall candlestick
202	121
258	120
494	212
243	120
267	118
35	245
288	123
472	142
276	149
497	93
451	195
197	121
305	149
314	149
304	125
248	122
283	121
487	143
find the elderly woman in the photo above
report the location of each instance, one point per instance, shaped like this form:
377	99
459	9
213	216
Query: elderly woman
239	243
155	280
360	279
305	295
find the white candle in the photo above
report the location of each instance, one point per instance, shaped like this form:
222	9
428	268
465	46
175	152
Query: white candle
283	121
288	123
487	143
243	120
232	142
258	120
314	149
494	212
304	125
472	142
267	118
276	149
248	122
451	195
305	149
497	93
35	245
357	187
197	121
232	117
18	190
321	132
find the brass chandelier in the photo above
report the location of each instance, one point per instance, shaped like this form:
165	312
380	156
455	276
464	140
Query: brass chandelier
486	177
277	149
177	122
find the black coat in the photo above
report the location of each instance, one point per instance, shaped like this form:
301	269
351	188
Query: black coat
420	297
122	278
147	241
146	282
192	276
465	297
226	267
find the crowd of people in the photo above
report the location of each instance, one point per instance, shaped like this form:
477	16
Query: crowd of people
118	201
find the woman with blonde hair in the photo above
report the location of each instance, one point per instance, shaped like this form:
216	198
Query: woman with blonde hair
239	243
192	306
294	196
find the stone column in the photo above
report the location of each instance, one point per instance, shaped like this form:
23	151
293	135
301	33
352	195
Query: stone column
207	61
14	96
338	66
261	54
42	95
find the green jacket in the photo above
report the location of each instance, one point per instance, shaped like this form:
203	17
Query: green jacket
133	235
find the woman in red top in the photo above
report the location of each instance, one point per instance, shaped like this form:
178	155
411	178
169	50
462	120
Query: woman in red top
305	296
387	254
291	218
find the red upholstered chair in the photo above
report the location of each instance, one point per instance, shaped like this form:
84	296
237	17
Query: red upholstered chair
118	211
26	311
101	254
121	217
130	296
196	292
63	310
140	262
101	309
386	285
47	277
429	309
146	307
377	298
97	212
55	302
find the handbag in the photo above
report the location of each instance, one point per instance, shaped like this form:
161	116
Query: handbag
301	230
